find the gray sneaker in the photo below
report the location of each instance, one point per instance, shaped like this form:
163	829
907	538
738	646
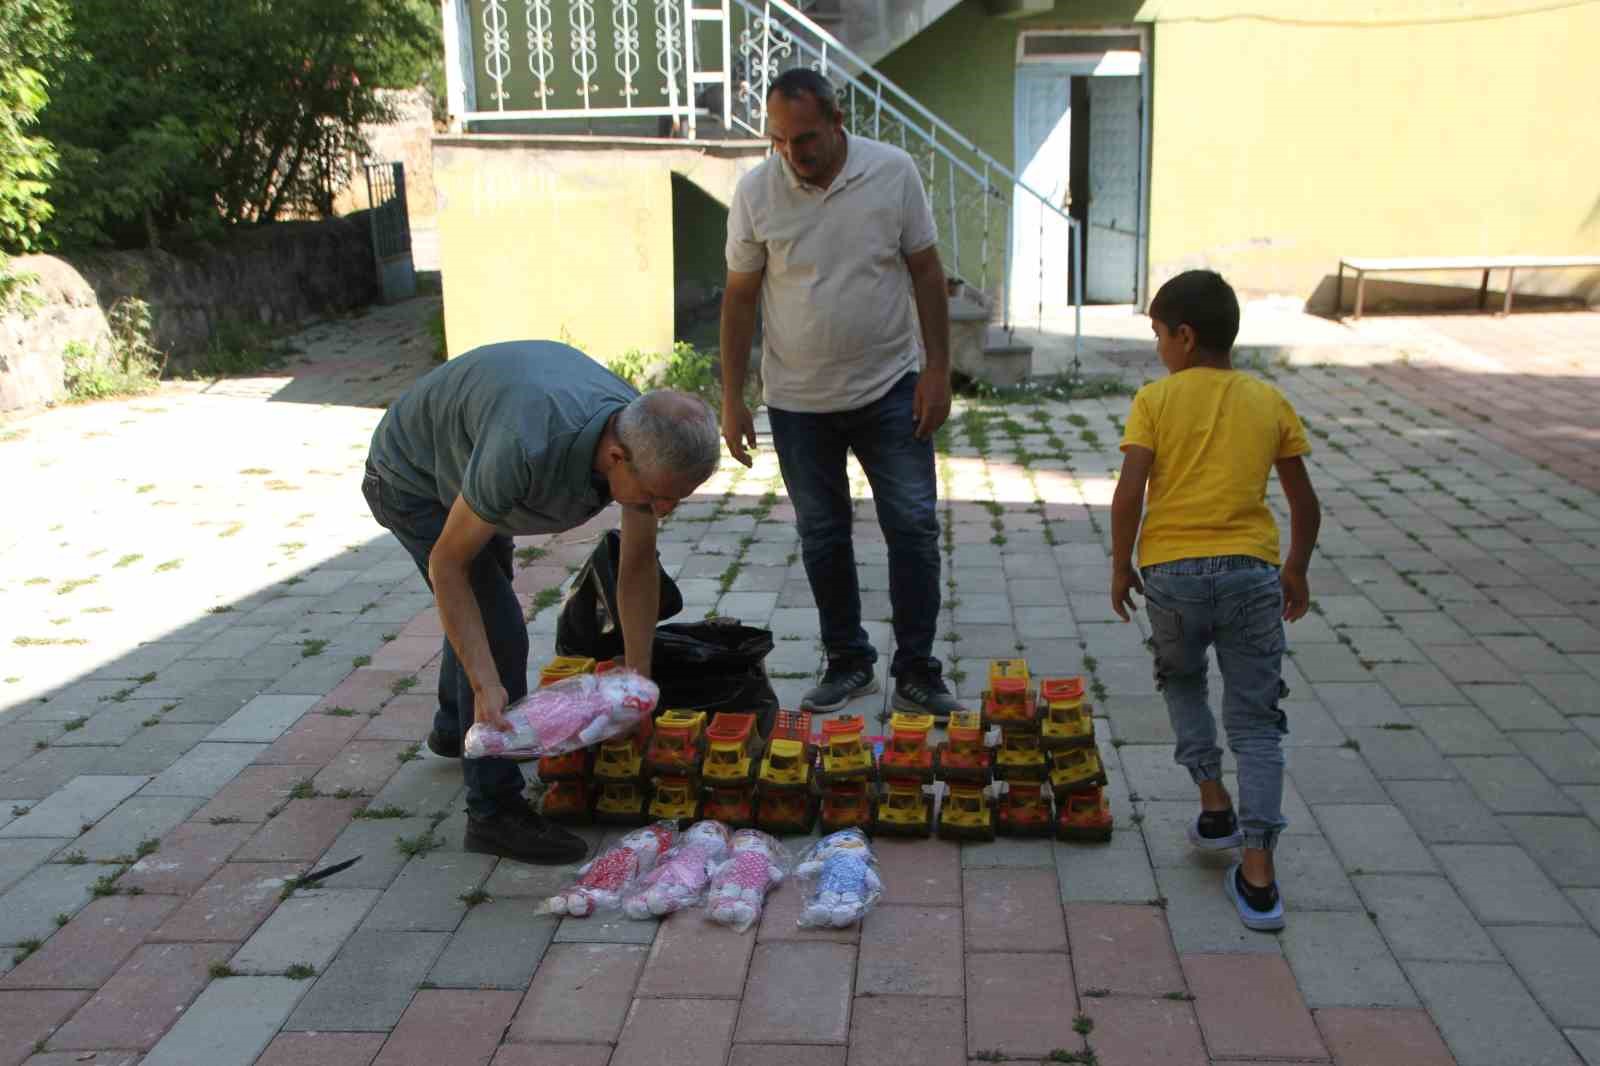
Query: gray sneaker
840	685
924	692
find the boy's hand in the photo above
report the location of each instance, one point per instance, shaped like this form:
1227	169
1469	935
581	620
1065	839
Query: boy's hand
1296	593
1124	582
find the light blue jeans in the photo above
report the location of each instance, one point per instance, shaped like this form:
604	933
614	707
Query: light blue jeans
1234	604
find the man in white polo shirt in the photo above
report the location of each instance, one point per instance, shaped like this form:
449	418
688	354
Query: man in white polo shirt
832	238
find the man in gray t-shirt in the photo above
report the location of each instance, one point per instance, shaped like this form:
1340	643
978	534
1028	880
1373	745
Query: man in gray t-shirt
833	238
525	437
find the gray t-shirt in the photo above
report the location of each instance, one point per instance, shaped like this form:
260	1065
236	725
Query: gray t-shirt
511	427
839	322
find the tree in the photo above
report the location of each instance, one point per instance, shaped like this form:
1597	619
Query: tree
184	116
32	33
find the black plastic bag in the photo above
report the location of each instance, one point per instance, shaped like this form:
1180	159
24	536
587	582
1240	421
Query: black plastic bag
715	665
589	624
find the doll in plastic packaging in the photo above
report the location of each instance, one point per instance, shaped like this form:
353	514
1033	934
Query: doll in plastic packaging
680	878
740	885
601	883
568	715
846	880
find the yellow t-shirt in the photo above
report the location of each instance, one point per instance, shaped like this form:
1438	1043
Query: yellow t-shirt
1215	435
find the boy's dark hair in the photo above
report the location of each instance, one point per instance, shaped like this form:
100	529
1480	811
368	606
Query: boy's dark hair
797	83
1201	300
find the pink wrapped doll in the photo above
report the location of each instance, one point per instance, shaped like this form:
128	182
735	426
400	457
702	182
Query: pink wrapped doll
567	715
602	882
740	885
680	879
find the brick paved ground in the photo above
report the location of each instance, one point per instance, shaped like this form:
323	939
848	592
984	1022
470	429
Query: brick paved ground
211	662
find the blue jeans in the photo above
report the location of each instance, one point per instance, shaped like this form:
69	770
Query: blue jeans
1233	604
811	453
417	523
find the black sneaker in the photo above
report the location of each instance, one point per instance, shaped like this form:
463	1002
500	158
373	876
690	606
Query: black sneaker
516	832
443	745
841	684
924	692
1215	830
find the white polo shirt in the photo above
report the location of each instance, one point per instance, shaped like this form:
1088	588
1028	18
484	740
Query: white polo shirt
840	322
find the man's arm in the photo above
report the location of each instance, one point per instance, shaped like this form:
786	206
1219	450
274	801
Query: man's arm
1127	507
740	299
464	536
932	403
1305	520
638	587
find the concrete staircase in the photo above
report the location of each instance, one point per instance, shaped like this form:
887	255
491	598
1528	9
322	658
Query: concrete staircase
980	349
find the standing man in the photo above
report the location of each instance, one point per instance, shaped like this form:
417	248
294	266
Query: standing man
832	237
525	437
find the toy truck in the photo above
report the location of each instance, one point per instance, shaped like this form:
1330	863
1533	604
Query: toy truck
907	755
963	755
620	803
844	756
678	743
903	809
573	766
1019	756
564	666
675	799
733	805
1065	720
1008	702
846	805
1085	816
569	801
1075	768
730	755
1024	808
787	764
785	810
966	813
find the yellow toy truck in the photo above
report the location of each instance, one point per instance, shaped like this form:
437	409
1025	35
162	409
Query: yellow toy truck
963	756
903	809
844	756
1066	721
1009	701
966	813
730	758
1075	768
787	764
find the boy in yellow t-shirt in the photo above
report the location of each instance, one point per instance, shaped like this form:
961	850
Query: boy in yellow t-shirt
1205	439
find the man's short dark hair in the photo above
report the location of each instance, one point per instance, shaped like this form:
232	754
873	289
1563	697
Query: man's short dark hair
1201	300
799	82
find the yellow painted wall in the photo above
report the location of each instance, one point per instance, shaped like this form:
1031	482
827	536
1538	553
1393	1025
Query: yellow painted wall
1356	128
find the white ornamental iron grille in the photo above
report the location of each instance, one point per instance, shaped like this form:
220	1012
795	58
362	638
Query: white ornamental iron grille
972	193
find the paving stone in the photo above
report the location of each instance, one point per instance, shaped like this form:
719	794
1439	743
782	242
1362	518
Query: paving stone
1567	848
110	726
497	946
1467	664
1117	872
29	907
407	718
1201	918
772	1055
1587	797
19	858
580	994
1447	812
372	840
1461	730
918	1029
1338	775
1361	1036
1510	784
370	982
1017	1004
1008	851
1486	1016
1143	720
88	949
1402	754
203	770
1325	663
1423	918
75	1058
1566	758
692	958
1154	775
264	719
782	911
232	1022
140	819
1122	949
187	858
1516	707
307	928
449	1026
82	800
303	831
559	1055
151	750
912	951
1416	683
1503	886
1374	838
797	994
664	1032
1158	1032
1558	966
214	701
1340	960
427	893
254	794
322	1049
515	879
1009	909
1587	1041
1359	703
141	999
1527	655
1250	1007
30	1016
312	742
1569	693
1310	875
926	872
230	905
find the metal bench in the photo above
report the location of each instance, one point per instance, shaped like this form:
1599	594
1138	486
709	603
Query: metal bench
1509	263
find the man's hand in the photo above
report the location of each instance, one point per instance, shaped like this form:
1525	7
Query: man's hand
489	708
1124	582
739	428
1296	593
931	405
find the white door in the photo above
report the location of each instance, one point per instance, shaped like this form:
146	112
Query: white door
1041	240
1113	233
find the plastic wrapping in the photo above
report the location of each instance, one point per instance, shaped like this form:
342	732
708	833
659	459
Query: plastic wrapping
602	882
681	877
756	865
842	880
567	715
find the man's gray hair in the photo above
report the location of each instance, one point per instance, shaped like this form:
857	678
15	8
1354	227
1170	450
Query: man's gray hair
672	435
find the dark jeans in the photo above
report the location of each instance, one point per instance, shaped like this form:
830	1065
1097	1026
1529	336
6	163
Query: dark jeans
812	450
417	523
